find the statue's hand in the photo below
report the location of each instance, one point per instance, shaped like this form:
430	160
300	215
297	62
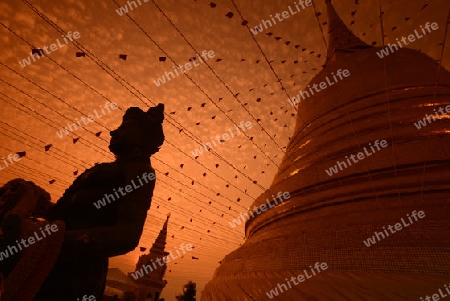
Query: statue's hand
85	238
80	245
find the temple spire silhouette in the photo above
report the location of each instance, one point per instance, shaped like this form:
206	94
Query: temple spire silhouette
160	242
152	283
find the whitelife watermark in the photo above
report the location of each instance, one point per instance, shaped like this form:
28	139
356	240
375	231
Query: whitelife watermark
146	177
11	157
411	38
360	155
149	268
124	9
53	47
281	196
371	240
428	118
86	298
323	85
11	250
437	297
300	278
285	14
86	119
222	139
187	66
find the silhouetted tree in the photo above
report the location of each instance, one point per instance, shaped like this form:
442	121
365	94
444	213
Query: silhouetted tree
189	292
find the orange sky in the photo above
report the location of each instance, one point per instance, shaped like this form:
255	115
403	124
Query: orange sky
239	85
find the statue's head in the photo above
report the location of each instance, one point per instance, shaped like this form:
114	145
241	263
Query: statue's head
140	134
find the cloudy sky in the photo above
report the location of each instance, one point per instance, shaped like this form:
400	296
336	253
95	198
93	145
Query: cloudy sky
248	79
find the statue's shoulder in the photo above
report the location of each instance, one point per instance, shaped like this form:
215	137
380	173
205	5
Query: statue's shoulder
101	173
113	173
137	168
102	169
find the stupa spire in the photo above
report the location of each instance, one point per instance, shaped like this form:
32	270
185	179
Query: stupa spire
158	248
340	38
160	242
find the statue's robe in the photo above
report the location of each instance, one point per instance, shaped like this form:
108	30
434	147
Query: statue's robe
94	234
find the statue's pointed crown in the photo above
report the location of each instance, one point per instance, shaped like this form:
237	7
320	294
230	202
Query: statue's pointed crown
151	123
153	115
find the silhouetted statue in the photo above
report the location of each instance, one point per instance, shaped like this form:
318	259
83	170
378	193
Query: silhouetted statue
103	211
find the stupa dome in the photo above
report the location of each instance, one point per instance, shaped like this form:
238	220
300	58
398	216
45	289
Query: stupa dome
331	213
